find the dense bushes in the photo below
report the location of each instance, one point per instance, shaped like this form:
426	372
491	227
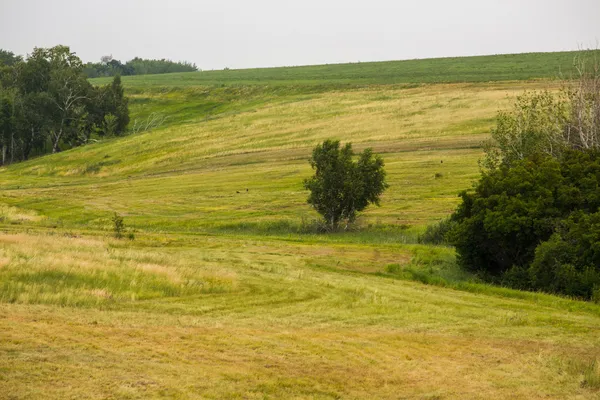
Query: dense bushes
533	219
437	233
535	225
569	262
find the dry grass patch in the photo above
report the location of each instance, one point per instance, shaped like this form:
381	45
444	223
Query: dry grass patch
77	272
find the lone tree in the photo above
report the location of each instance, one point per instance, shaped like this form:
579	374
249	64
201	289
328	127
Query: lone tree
341	187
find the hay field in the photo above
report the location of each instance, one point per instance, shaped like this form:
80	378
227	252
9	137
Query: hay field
227	293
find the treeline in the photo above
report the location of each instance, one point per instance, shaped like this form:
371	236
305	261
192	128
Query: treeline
533	219
48	105
137	66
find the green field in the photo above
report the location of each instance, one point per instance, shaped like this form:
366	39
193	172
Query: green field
227	291
436	70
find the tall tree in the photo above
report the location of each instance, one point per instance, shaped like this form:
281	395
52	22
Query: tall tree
47	104
68	89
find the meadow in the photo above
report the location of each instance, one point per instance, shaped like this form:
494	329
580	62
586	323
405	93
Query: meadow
227	291
501	67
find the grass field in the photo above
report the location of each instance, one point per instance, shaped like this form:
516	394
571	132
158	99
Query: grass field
436	70
227	291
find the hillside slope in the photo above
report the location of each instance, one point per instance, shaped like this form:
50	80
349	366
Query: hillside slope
186	175
503	67
228	292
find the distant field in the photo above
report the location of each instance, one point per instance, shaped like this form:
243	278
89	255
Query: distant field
436	70
228	292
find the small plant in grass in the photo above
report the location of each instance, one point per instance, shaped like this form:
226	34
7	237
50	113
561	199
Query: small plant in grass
591	375
118	225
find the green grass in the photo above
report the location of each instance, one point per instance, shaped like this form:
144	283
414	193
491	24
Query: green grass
228	291
503	67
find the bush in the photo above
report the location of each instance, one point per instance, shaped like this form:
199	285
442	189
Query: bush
118	225
437	233
569	262
535	225
532	221
341	187
511	211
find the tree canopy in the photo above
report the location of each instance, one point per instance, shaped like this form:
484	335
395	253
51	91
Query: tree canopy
109	66
342	187
47	105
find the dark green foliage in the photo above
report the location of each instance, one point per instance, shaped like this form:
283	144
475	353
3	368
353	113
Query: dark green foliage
136	66
115	106
342	187
505	228
570	261
48	105
437	233
8	58
511	210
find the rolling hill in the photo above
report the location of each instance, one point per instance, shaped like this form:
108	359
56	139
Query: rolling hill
227	291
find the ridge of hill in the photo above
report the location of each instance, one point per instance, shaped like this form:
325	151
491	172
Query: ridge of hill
502	67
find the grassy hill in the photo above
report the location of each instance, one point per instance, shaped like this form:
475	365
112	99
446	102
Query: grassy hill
227	292
501	67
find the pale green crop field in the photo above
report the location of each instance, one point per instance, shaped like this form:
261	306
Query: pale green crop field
226	292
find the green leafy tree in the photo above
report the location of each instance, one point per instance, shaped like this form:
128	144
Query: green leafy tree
535	125
33	113
47	104
116	105
342	187
69	90
545	123
509	213
6	122
9	58
137	66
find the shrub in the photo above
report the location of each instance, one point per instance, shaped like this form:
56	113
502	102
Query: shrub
437	233
535	224
569	262
118	225
510	212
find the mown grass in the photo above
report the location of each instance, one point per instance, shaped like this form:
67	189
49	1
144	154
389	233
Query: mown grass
244	171
291	319
229	291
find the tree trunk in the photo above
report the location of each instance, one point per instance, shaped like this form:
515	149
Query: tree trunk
56	141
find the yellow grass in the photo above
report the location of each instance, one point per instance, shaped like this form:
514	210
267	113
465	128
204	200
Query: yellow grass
221	295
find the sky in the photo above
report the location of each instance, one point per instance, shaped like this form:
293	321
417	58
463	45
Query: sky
216	34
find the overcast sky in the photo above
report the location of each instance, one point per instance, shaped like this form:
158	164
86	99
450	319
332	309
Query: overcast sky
254	33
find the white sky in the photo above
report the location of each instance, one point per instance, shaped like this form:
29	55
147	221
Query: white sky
242	33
